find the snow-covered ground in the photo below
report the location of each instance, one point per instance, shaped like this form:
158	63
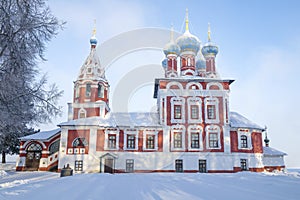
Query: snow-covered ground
175	186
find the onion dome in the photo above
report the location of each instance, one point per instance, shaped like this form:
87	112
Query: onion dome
171	47
200	63
164	63
188	42
209	48
266	140
93	40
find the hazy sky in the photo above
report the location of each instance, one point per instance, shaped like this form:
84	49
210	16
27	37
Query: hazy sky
259	47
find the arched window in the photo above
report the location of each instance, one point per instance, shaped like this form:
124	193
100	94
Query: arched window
54	147
188	62
244	141
100	91
79	142
88	90
82	113
34	147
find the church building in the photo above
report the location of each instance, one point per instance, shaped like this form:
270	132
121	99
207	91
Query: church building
193	129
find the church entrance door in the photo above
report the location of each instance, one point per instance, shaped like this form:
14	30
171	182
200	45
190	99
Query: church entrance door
33	156
108	166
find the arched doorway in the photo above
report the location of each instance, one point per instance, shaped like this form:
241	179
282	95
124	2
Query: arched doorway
107	163
33	156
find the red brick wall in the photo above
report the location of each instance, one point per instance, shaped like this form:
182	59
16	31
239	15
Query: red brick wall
100	140
90	112
256	143
160	141
72	134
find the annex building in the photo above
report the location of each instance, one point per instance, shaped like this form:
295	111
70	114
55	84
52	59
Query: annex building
193	129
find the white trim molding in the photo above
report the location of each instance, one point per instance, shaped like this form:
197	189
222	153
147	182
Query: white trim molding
219	85
185	72
194	101
180	101
247	133
214	102
131	132
195	129
178	129
154	133
111	132
170	84
81	110
213	129
189	84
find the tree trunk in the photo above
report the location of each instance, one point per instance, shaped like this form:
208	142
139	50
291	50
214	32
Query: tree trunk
3	157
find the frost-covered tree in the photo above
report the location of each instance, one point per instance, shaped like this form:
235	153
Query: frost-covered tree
25	98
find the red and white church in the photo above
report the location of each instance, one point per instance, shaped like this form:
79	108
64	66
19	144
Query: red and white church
193	129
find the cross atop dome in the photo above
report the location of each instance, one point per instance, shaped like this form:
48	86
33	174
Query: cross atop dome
186	20
93	39
92	69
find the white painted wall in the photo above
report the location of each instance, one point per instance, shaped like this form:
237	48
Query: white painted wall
273	161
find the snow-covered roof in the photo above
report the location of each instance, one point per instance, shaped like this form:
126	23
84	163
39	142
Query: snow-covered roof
90	121
43	135
269	151
134	119
239	121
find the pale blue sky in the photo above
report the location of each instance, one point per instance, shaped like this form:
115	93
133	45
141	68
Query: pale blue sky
259	44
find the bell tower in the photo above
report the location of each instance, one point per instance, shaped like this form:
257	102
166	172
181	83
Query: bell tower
91	89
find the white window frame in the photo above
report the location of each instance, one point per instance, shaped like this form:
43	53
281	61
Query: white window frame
81	110
150	132
89	70
213	129
88	94
192	101
112	132
247	133
211	101
181	102
177	128
195	129
131	132
101	91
